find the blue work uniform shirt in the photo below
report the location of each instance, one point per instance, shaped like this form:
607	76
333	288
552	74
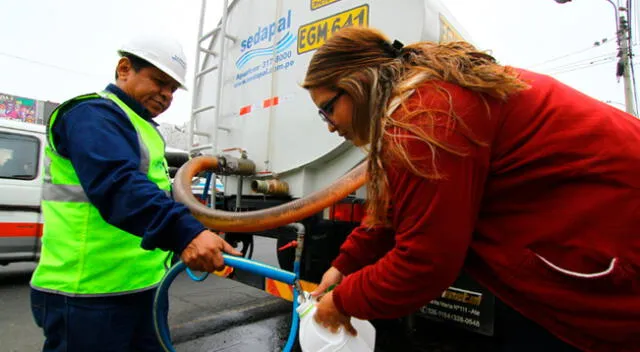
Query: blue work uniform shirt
100	141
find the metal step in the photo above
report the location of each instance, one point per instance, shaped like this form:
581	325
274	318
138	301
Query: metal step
217	55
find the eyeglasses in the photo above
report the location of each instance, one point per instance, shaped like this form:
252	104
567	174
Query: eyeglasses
327	109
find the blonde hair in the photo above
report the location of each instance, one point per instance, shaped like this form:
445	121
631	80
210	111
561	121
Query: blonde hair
363	63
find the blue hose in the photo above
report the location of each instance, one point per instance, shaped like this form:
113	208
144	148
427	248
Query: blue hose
207	184
197	278
295	319
161	300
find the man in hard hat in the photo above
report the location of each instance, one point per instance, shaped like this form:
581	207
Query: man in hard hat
109	216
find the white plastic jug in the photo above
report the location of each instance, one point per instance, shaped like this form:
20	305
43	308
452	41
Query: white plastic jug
316	338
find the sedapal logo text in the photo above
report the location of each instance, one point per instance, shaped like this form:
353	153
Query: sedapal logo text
263	54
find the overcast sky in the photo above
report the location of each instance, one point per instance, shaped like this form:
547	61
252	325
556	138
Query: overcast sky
56	49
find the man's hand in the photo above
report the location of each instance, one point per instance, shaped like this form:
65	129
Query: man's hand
204	253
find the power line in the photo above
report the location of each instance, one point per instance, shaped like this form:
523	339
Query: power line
584	63
581	61
580	68
585	66
586	60
47	65
604	41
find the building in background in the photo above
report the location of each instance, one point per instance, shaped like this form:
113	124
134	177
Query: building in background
25	109
174	136
48	108
18	108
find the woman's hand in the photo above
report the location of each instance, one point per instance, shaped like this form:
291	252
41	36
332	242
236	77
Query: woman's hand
331	277
328	315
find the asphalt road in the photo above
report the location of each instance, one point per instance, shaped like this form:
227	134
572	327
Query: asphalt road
18	332
210	308
223	315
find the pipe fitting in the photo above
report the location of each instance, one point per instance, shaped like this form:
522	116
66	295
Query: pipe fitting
270	187
229	165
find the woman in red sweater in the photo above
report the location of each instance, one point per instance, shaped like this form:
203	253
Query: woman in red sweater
529	185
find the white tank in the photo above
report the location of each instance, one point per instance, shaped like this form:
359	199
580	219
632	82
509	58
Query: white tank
263	110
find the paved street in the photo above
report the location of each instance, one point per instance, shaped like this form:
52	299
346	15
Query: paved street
18	332
196	309
222	315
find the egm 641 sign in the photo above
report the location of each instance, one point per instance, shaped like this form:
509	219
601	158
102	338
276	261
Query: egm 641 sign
312	35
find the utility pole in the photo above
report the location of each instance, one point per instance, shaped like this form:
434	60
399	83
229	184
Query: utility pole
624	67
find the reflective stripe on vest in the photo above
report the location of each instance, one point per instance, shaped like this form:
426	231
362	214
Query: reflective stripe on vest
70	193
82	254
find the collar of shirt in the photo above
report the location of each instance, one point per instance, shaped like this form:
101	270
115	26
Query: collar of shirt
134	105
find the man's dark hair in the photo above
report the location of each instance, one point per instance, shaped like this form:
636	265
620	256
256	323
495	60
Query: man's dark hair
136	63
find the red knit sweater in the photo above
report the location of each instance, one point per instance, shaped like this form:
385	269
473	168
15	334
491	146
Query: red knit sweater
546	215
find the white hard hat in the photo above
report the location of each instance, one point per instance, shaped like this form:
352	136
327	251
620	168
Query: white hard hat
164	53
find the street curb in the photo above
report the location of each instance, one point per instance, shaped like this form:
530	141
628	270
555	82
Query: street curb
227	319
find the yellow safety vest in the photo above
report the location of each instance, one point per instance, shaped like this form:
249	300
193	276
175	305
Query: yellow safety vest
83	255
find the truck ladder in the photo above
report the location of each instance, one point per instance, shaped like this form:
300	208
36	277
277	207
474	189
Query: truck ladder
216	65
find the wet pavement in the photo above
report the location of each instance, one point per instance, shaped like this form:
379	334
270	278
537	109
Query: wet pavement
263	326
266	335
196	308
271	334
209	307
224	315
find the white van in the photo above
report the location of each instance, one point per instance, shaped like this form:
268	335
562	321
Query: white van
21	176
21	179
